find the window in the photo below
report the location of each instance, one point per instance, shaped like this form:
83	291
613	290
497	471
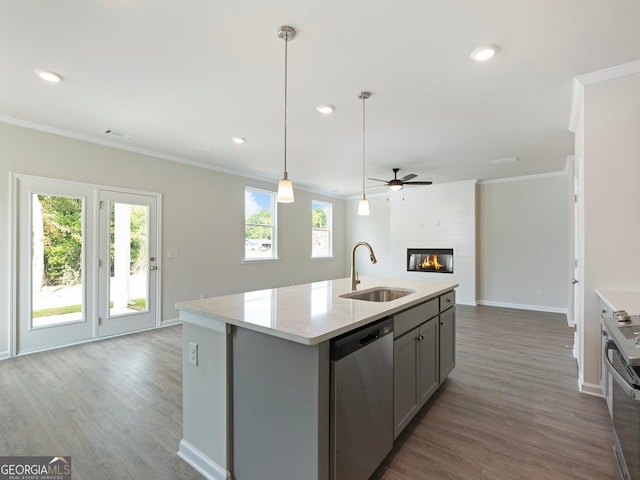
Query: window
321	229
259	225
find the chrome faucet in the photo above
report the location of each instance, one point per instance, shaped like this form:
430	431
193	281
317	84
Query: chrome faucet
354	275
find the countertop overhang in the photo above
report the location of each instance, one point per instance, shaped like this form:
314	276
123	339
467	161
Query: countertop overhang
309	313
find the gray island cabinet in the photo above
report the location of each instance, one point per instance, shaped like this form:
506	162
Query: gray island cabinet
257	368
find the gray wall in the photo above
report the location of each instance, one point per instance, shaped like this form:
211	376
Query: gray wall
524	229
203	218
611	145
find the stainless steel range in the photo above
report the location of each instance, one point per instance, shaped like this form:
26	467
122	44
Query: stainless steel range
622	359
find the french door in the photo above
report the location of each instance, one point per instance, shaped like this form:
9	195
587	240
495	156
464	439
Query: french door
85	262
127	264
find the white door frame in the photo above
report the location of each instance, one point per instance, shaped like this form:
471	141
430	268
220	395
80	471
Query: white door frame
14	222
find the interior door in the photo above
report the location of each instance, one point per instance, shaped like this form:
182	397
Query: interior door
127	263
578	258
53	279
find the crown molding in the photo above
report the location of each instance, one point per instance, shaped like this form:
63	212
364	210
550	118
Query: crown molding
598	76
151	153
524	177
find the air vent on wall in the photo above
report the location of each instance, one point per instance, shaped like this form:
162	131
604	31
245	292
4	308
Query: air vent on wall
116	133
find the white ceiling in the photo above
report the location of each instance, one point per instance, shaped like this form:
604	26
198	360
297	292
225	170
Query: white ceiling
184	77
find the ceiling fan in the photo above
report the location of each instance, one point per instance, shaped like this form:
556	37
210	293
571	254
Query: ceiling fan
398	183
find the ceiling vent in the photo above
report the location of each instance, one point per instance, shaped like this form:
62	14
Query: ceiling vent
116	133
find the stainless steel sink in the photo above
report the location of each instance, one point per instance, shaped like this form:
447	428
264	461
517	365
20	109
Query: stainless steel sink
379	294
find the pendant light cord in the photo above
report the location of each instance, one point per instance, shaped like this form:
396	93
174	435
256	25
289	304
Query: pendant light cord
363	145
286	42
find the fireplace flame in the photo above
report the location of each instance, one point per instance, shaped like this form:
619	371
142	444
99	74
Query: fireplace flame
431	263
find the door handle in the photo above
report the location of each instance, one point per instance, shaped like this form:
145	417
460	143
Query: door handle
574	281
153	267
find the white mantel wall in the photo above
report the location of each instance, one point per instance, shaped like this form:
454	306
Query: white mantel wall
439	216
409	219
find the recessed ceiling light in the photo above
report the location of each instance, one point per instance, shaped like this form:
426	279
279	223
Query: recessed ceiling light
326	109
485	52
238	140
49	75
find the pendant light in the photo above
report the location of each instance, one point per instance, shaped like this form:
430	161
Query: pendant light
285	187
363	204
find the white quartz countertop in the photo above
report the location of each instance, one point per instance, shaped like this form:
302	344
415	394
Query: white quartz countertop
620	300
310	313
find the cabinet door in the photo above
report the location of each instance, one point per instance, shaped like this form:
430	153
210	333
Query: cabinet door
427	360
447	342
405	393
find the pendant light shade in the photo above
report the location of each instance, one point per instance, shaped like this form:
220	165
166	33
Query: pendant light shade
363	207
363	204
285	186
285	190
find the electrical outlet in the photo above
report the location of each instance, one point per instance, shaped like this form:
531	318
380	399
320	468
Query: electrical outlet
193	353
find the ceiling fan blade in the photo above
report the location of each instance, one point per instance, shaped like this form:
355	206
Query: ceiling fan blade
377	180
408	177
418	183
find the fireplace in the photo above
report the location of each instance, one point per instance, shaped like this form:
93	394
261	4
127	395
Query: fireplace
435	260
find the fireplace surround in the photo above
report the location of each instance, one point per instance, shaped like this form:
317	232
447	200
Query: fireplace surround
434	260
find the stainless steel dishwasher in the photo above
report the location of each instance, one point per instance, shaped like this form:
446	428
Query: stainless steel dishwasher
361	429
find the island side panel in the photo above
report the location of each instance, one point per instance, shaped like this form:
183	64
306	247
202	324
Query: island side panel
205	443
280	408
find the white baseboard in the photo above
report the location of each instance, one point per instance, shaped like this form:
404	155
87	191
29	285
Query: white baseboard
201	463
170	322
590	389
4	355
519	306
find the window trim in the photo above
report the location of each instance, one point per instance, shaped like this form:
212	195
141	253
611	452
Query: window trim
274	230
328	229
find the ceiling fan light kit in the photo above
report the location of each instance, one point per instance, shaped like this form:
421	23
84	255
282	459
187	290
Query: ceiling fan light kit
285	186
398	183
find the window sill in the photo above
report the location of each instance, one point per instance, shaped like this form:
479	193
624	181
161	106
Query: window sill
328	257
260	260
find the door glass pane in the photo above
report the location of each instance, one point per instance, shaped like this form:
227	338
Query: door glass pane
128	259
56	260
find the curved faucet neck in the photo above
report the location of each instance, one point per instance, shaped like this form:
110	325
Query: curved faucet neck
354	275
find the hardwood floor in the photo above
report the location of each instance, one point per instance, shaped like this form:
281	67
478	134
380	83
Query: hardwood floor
114	406
510	409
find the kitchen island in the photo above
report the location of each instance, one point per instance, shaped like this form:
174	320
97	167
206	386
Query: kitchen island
256	372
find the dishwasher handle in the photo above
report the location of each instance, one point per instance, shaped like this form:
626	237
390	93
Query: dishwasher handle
352	341
369	338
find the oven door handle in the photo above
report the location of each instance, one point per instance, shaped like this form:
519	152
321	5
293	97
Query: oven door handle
630	390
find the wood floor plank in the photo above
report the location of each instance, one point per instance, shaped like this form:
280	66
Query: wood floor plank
115	406
510	409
